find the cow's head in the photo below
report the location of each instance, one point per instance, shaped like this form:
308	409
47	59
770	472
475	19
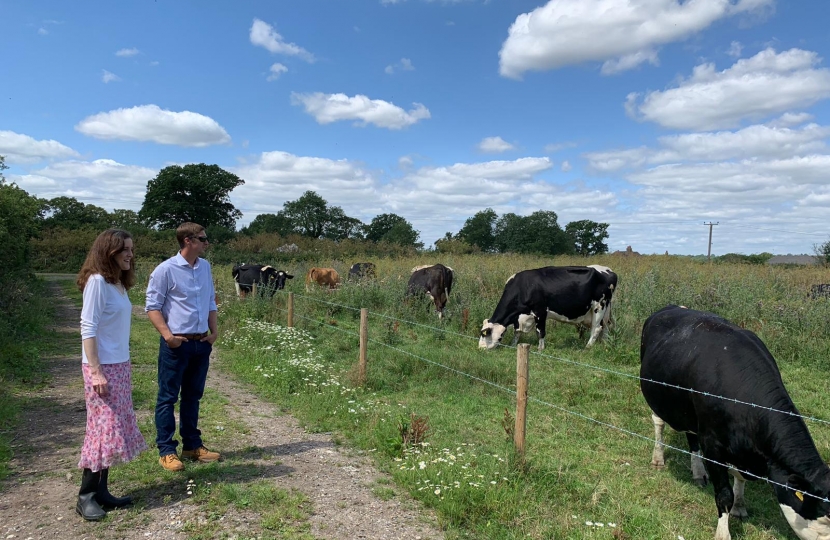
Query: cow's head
491	334
274	279
808	516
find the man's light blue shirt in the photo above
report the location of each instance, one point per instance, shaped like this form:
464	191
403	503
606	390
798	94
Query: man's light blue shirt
183	294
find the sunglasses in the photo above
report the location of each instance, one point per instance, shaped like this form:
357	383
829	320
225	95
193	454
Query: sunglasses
201	239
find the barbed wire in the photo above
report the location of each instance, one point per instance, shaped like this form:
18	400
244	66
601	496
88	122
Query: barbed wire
577	414
592	366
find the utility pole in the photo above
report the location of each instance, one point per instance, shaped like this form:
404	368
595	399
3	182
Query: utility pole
709	254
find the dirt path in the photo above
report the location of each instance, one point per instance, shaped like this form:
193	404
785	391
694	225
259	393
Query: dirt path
38	499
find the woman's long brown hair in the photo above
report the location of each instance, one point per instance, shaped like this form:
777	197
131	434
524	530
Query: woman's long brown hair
101	260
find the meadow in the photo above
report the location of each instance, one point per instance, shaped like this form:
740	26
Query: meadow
436	412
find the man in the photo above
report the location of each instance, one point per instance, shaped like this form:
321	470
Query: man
181	304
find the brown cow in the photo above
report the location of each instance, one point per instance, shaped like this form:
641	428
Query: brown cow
324	277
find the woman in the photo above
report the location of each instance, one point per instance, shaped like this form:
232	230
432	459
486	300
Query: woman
112	434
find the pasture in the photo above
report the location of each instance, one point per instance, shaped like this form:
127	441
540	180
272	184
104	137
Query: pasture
584	475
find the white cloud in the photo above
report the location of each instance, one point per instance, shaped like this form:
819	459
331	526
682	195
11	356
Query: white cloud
328	108
555	147
405	162
102	182
263	35
127	52
108	77
404	65
42	31
19	148
151	123
494	145
566	166
275	71
154	63
620	33
766	84
735	49
757	141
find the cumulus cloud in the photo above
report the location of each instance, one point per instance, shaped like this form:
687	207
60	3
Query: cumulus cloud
566	166
275	71
765	84
735	49
127	52
23	149
91	181
328	108
151	123
404	65
620	33
108	77
494	145
263	35
764	141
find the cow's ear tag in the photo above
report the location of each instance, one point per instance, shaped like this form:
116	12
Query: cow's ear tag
799	496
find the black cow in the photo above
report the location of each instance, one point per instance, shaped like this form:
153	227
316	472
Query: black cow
364	270
822	290
435	281
246	276
701	351
579	295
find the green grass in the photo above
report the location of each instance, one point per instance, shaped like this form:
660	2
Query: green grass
574	471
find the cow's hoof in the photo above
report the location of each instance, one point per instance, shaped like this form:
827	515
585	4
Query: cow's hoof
701	482
739	512
658	464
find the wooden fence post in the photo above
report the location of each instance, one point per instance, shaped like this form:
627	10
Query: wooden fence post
253	290
290	310
522	354
364	338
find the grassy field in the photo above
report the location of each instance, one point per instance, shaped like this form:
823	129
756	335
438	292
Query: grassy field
427	380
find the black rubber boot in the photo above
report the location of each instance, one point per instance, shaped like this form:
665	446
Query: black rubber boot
107	499
87	506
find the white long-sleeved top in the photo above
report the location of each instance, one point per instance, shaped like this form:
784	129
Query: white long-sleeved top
106	315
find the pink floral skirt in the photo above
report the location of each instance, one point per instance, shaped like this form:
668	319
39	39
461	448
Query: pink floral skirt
112	434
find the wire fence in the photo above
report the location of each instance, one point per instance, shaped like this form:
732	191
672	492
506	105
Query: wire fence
354	333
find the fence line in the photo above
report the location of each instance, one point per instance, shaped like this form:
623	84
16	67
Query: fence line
574	413
591	366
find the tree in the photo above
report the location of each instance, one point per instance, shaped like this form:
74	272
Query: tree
269	223
308	214
587	237
394	229
126	219
340	226
479	230
547	237
510	233
70	213
454	245
197	193
20	218
823	251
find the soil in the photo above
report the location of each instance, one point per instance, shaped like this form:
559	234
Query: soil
38	499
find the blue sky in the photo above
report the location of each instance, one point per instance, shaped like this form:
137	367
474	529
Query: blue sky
652	115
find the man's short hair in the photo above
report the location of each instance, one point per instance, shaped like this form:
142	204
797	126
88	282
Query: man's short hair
187	230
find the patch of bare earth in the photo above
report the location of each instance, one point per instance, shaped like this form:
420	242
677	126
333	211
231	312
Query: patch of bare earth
38	499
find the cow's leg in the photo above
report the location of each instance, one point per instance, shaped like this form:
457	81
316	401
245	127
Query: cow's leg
516	333
739	504
597	315
719	475
698	470
238	290
541	321
657	456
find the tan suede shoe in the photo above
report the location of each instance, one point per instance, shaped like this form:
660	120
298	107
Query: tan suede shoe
202	455
171	462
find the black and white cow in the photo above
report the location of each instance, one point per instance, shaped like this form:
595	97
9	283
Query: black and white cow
579	295
433	280
701	351
245	276
363	270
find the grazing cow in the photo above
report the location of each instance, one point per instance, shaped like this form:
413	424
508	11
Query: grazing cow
364	270
433	280
578	295
245	276
701	351
324	277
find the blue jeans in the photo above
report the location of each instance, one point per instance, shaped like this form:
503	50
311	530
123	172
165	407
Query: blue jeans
183	369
